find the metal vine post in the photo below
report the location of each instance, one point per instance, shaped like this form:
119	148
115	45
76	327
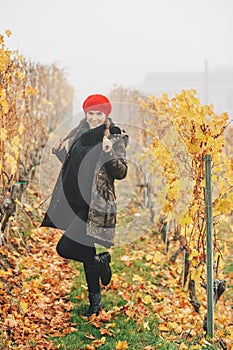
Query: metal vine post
209	245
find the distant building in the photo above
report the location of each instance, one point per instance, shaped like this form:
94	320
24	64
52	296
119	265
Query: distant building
212	86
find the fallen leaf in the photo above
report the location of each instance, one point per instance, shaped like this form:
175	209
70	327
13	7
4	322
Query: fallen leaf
121	345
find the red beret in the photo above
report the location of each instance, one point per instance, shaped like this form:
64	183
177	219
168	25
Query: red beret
99	103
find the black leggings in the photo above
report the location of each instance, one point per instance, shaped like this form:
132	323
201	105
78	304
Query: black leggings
70	249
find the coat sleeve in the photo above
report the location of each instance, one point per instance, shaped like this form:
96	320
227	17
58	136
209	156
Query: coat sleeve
61	154
115	160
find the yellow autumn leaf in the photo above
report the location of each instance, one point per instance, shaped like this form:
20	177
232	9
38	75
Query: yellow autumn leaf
163	328
10	159
158	257
8	32
183	347
138	295
20	57
137	278
111	325
173	325
193	254
149	257
194	148
13	163
224	205
186	220
195	262
174	190
15	150
17	141
18	202
3	134
5	56
19	75
196	273
122	345
99	342
29	90
4	104
147	299
220	119
23	306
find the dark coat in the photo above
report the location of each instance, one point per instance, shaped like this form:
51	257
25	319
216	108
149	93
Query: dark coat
85	185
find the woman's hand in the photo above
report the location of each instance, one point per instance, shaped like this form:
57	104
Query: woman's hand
57	146
107	144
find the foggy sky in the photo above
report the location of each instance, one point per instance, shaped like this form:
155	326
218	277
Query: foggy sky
106	42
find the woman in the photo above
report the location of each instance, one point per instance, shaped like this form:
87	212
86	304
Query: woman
83	201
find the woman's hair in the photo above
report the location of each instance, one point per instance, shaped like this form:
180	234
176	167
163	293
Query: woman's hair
73	132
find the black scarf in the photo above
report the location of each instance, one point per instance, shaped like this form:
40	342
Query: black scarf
79	167
84	129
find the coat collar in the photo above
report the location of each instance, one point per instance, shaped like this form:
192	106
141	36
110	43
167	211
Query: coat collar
92	136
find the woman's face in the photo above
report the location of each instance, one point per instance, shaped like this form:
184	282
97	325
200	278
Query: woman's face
95	118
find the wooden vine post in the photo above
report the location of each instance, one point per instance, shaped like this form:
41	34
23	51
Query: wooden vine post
209	246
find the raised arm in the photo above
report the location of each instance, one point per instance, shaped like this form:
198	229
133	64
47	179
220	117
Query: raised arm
115	160
59	150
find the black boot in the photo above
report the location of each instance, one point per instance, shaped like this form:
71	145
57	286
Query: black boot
95	304
103	260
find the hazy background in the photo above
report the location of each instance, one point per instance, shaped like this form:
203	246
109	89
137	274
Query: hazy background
106	42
